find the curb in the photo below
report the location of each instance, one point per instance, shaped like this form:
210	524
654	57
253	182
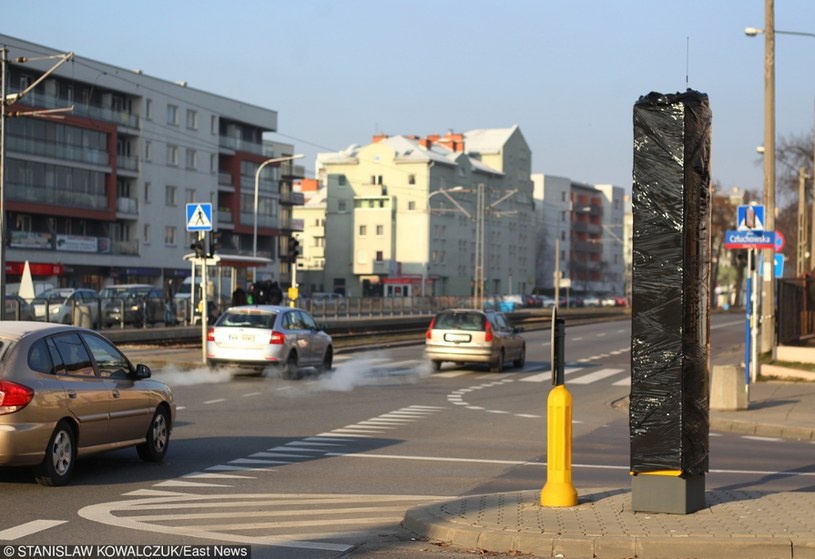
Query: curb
436	523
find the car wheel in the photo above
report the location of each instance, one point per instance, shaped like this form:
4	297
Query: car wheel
328	360
498	365
158	438
60	457
290	369
518	363
437	365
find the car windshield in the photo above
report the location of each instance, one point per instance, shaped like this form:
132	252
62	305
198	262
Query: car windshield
52	296
232	319
460	321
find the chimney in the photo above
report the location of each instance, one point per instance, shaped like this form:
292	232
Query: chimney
378	138
453	142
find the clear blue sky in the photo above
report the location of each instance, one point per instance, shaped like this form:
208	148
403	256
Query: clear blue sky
568	72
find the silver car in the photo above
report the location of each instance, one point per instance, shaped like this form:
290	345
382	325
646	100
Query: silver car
66	392
257	337
67	305
473	336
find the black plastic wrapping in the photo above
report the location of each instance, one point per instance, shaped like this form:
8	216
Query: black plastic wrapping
670	347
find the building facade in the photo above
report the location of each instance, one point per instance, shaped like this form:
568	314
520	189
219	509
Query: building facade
402	214
99	195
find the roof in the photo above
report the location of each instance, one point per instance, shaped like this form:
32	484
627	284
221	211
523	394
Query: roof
487	140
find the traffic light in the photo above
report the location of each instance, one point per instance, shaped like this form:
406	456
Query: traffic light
294	249
198	247
214	242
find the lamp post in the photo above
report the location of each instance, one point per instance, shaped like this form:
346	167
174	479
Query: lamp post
257	187
768	285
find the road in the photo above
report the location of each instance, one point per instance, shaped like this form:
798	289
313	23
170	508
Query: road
326	466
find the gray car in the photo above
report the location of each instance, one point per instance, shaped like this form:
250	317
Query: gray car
260	337
473	336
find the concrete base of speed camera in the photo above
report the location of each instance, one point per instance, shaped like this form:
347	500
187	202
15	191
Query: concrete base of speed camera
728	388
670	494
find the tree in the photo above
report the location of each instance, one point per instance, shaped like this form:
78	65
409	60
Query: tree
793	153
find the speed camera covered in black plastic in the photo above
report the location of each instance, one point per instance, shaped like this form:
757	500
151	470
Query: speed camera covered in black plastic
668	418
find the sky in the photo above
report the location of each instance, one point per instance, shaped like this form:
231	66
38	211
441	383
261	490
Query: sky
567	72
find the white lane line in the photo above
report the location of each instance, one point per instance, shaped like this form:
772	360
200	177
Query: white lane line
451	374
250	394
595	376
202	475
10	534
217	401
528	415
182	483
766	439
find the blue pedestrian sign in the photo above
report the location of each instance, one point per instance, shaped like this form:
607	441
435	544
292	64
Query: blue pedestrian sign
199	217
750	218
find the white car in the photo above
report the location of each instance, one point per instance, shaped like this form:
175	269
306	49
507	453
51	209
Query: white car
65	305
257	337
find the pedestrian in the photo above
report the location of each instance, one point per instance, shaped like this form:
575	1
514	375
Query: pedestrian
275	294
251	296
261	293
238	297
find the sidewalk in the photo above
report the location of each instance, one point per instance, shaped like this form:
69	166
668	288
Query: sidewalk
743	524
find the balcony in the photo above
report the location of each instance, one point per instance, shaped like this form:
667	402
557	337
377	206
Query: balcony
127	163
237	144
121	118
35	194
63	152
291	225
127	207
225	218
292	198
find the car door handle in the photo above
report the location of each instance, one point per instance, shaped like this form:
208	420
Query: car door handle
116	394
72	394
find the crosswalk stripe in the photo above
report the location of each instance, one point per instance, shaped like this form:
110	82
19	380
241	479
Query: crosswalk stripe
595	376
10	534
452	374
623	381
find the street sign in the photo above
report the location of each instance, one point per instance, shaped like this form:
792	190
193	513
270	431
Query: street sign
779	265
749	239
780	241
199	217
750	218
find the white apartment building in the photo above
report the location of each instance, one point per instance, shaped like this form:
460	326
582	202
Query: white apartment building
402	214
99	195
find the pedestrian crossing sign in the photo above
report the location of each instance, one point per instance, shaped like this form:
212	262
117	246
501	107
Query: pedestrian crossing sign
199	217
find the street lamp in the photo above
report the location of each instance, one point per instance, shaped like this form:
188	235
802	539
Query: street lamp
768	291
257	186
446	193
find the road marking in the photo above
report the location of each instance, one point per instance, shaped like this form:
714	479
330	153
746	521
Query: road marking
250	394
10	534
595	376
766	439
217	401
452	374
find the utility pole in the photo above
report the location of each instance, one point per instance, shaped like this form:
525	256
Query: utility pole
801	246
768	272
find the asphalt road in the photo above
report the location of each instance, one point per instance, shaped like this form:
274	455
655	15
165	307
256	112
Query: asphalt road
326	466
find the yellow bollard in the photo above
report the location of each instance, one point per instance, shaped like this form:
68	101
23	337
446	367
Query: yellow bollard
559	491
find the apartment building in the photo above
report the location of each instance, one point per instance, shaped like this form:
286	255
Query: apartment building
99	195
587	225
403	214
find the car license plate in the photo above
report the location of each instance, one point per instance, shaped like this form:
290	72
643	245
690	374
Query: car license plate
457	338
241	338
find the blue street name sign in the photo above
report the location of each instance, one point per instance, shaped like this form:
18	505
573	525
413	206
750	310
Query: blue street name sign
749	239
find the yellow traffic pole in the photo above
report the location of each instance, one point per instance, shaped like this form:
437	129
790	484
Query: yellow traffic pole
558	490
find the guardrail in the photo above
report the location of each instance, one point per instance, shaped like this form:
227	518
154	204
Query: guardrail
345	329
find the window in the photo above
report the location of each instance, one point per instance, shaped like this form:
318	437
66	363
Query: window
213	163
213	124
380	230
412	205
147	193
110	361
341	180
192	119
192	159
190	195
376	179
341	206
148	109
170	195
380	256
147	154
169	236
146	234
172	154
363	230
411	179
75	357
172	115
39	358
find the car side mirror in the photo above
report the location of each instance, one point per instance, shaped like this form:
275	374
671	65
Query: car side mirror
142	371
